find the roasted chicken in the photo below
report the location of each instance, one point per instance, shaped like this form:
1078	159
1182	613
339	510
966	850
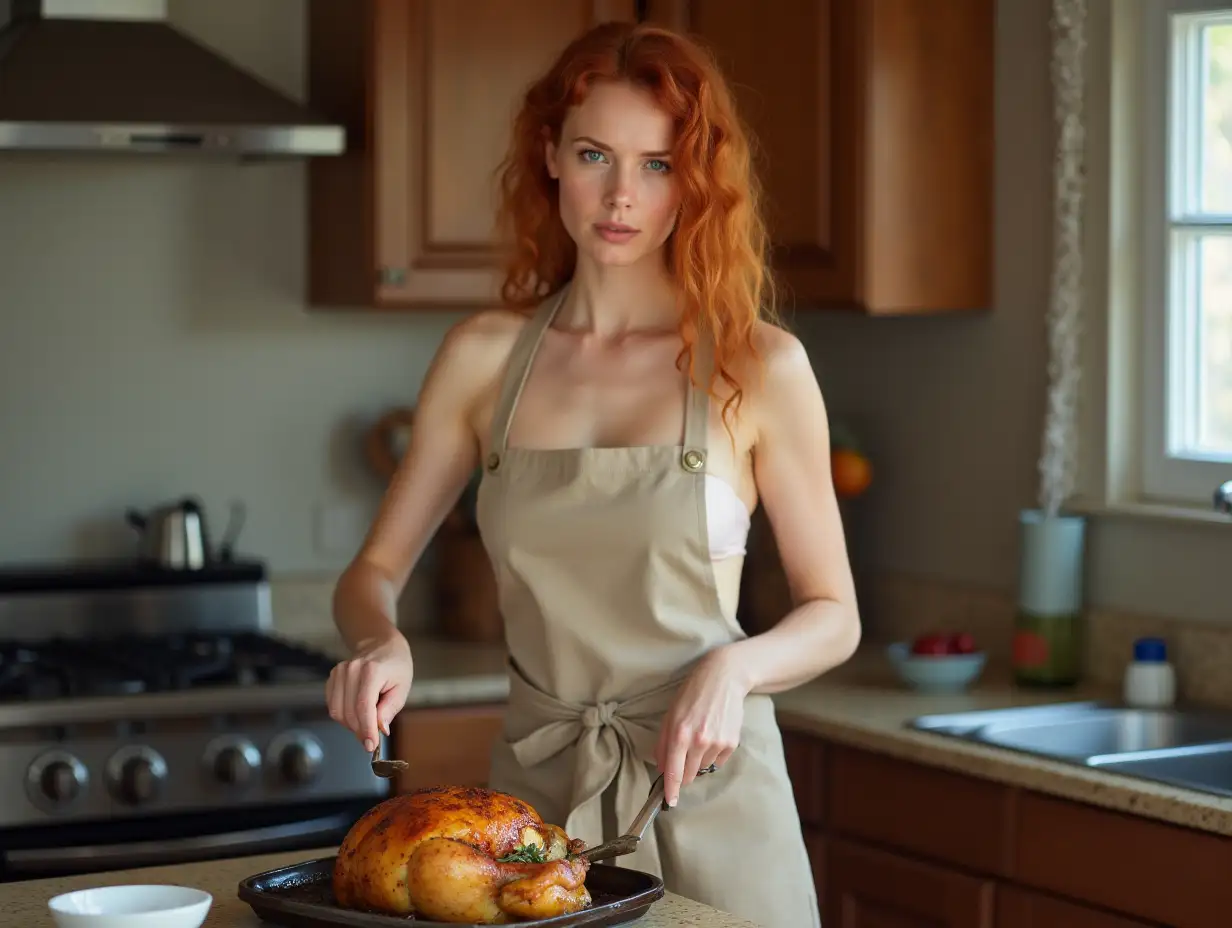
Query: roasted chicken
460	855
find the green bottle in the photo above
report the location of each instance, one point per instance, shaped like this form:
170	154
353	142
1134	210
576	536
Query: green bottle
1048	644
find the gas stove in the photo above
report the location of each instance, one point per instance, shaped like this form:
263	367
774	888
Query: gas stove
149	715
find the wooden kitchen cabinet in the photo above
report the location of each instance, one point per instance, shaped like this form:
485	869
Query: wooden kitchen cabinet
427	91
446	745
875	124
874	120
1020	908
871	888
907	844
1139	867
806	766
935	814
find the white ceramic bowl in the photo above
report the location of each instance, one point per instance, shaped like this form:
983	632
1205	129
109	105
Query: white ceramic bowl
936	673
131	907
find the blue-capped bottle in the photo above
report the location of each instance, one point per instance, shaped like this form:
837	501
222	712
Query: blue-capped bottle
1150	680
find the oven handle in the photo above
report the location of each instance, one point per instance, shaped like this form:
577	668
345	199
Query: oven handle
178	850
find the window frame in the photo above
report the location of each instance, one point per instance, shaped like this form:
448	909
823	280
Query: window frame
1166	476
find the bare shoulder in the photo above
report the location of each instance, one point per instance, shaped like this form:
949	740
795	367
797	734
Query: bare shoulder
484	336
782	366
474	351
781	385
782	353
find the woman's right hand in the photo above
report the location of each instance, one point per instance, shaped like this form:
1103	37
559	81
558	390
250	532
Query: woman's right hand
367	691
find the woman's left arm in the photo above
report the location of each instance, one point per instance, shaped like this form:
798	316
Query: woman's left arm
791	464
791	461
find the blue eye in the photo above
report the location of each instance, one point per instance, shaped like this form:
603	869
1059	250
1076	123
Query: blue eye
659	166
585	155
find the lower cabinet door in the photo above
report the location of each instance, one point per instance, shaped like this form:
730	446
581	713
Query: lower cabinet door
870	888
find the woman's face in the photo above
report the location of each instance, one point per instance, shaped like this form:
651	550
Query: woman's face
618	197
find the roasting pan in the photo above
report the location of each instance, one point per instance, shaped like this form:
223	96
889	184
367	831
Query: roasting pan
299	896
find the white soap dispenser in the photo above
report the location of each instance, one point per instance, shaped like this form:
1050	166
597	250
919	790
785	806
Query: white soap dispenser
1150	680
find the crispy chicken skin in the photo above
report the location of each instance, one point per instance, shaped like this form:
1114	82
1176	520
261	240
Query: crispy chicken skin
436	853
450	881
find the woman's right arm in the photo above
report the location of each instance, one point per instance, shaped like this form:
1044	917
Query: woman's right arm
367	691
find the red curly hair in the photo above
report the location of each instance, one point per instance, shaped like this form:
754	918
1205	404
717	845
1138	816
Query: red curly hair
718	249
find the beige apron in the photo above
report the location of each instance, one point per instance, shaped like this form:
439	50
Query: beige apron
607	590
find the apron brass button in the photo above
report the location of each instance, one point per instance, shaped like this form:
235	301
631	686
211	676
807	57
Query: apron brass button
493	461
693	460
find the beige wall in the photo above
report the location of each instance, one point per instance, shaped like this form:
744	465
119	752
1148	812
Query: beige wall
153	340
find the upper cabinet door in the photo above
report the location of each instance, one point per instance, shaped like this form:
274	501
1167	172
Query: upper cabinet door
779	61
428	90
874	123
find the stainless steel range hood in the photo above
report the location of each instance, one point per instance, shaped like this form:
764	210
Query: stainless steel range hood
114	75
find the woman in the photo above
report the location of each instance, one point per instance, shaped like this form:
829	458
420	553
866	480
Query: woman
630	409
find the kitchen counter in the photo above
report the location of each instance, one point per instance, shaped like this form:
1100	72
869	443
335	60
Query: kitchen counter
447	673
863	704
25	904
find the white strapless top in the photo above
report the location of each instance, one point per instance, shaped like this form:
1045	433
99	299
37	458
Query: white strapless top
727	519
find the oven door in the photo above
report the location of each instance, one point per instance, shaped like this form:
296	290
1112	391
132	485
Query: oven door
60	850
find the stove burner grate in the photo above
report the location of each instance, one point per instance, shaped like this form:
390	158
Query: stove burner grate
60	668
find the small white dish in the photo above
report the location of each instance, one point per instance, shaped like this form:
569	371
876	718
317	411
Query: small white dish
936	673
131	907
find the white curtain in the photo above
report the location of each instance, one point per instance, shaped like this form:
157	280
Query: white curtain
1059	454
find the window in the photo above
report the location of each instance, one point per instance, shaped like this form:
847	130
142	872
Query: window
1187	243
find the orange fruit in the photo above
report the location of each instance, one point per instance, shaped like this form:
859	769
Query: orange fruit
852	472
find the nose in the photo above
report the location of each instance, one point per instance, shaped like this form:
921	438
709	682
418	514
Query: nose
619	191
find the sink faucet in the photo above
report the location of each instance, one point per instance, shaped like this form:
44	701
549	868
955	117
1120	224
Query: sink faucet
1223	497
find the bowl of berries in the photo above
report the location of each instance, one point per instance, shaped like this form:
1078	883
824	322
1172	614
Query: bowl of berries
938	662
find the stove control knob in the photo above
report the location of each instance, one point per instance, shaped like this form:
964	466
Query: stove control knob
299	758
59	781
136	775
235	762
139	781
56	778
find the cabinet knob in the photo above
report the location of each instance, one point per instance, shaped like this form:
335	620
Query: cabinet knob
392	276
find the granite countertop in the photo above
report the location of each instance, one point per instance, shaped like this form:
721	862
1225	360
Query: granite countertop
863	704
446	672
25	904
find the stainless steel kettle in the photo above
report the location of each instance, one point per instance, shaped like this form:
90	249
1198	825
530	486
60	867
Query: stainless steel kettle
177	537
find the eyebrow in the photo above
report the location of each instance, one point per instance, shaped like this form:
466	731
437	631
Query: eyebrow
597	144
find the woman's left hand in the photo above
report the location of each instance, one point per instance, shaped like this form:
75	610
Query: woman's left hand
703	725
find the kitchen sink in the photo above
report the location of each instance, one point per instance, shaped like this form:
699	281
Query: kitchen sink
1183	746
1206	767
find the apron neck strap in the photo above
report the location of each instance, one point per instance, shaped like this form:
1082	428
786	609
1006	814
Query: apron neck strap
520	360
697	406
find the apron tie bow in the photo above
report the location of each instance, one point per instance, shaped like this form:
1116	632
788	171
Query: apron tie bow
600	716
614	742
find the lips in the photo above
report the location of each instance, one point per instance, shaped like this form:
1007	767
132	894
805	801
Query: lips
614	227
